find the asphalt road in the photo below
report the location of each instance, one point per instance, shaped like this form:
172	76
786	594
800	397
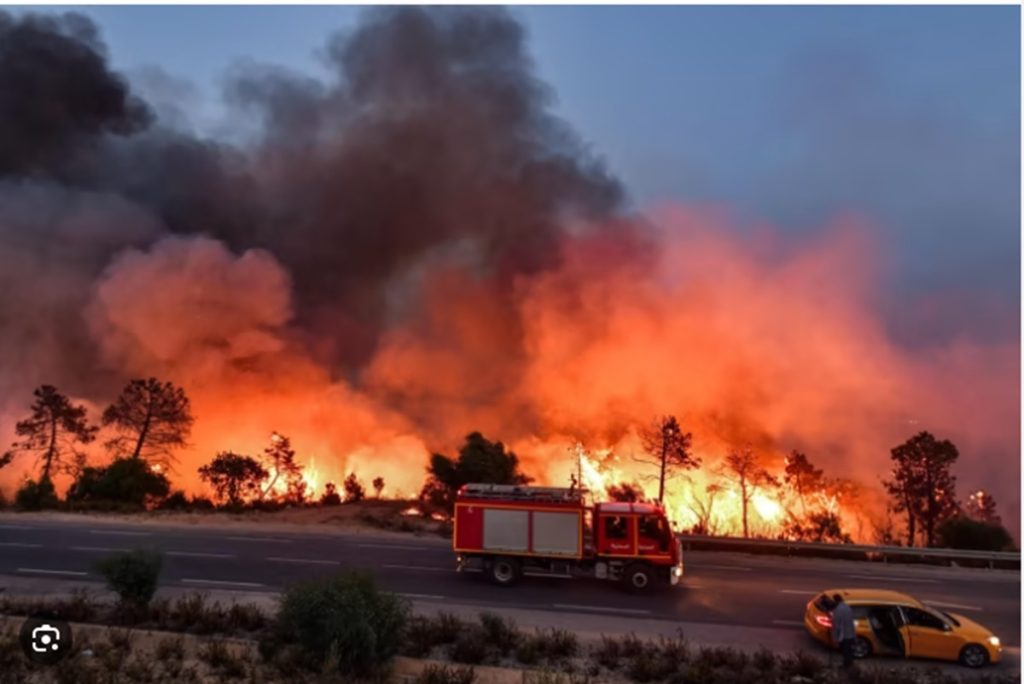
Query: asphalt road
718	589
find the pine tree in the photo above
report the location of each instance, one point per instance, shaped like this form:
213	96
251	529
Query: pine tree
54	431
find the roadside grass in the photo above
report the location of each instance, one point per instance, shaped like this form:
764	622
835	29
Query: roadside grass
219	643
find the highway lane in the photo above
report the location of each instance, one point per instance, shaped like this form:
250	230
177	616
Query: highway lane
719	588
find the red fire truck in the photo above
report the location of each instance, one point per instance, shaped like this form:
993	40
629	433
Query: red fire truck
508	532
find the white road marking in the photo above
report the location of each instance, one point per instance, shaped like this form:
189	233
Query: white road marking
885	578
418	567
21	545
311	561
801	592
722	567
121	533
16	527
432	597
602	609
392	546
788	623
222	583
197	554
41	571
272	540
956	606
98	549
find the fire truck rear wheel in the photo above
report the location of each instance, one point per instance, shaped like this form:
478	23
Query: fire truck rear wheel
505	571
638	578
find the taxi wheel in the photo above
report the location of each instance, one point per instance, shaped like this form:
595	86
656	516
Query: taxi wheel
505	571
974	655
861	648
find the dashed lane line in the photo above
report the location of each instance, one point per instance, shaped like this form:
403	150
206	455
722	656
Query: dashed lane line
221	583
121	533
16	527
309	561
99	549
270	540
423	568
43	571
737	568
392	546
887	578
199	554
21	545
429	597
601	609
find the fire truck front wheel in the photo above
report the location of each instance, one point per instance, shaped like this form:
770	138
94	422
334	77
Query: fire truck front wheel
505	571
638	578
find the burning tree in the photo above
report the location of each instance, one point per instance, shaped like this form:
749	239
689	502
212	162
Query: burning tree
668	449
354	490
53	431
703	508
479	460
922	486
628	492
378	486
802	477
280	459
981	506
152	418
234	477
744	470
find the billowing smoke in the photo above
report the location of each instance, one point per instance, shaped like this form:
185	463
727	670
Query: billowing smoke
416	248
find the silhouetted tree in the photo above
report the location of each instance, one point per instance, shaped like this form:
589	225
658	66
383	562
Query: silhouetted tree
803	477
330	496
354	491
279	460
479	461
53	432
378	485
151	419
234	477
703	507
747	473
922	486
628	492
819	526
668	449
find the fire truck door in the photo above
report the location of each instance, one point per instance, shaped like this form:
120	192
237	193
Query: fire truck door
654	536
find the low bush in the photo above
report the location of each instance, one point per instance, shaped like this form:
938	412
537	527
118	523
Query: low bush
470	647
221	660
133	575
344	622
529	649
420	638
500	632
448	627
560	644
36	496
127	483
175	501
444	674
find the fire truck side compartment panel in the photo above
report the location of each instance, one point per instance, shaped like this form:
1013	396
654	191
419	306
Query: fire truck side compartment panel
469	527
506	530
557	534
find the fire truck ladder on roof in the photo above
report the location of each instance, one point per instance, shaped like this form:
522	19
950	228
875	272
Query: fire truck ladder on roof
523	493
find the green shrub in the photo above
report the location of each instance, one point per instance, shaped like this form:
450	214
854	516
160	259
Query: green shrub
608	652
346	619
470	647
36	496
126	481
133	575
500	632
448	627
529	649
420	637
560	644
976	535
443	674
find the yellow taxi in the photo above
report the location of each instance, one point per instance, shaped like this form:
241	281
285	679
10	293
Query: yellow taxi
891	623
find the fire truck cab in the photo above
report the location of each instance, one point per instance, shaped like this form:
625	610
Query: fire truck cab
508	532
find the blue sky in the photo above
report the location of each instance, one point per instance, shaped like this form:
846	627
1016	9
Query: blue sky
909	116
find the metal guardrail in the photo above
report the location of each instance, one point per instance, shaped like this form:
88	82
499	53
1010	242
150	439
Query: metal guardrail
991	558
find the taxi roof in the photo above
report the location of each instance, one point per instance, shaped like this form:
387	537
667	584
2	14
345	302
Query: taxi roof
856	596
